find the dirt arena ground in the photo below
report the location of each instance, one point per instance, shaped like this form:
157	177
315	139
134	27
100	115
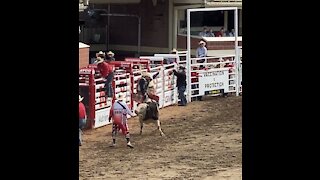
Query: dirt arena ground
203	141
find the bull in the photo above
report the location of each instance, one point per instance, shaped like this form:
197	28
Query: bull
148	112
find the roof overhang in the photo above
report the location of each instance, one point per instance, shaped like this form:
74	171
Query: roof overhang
223	3
82	45
211	3
115	1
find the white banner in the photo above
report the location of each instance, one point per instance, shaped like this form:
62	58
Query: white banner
160	100
213	79
102	117
240	73
169	98
240	77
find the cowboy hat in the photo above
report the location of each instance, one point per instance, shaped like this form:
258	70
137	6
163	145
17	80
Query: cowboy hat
146	74
80	98
110	53
121	96
100	52
174	50
98	60
202	42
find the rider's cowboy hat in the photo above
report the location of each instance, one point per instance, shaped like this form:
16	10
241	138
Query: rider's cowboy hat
146	74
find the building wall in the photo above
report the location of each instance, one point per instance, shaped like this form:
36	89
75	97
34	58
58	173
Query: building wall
124	30
220	45
83	57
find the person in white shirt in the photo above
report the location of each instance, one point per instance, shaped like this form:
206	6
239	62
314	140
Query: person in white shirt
231	34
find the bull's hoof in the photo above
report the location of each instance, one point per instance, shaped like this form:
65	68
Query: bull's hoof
129	145
113	145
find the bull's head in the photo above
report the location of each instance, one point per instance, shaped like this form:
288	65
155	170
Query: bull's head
140	107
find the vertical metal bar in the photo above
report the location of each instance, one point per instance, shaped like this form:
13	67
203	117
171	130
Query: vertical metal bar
188	56
236	50
139	35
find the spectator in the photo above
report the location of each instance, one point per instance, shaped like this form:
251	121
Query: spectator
228	64
110	56
210	33
220	33
172	60
231	34
204	32
201	51
106	72
82	118
101	54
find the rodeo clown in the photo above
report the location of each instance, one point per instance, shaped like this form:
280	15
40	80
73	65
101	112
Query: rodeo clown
118	113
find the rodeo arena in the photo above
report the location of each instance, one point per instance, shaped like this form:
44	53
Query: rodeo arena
163	114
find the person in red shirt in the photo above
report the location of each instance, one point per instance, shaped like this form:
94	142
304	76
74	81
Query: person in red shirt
118	113
220	33
82	118
106	72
